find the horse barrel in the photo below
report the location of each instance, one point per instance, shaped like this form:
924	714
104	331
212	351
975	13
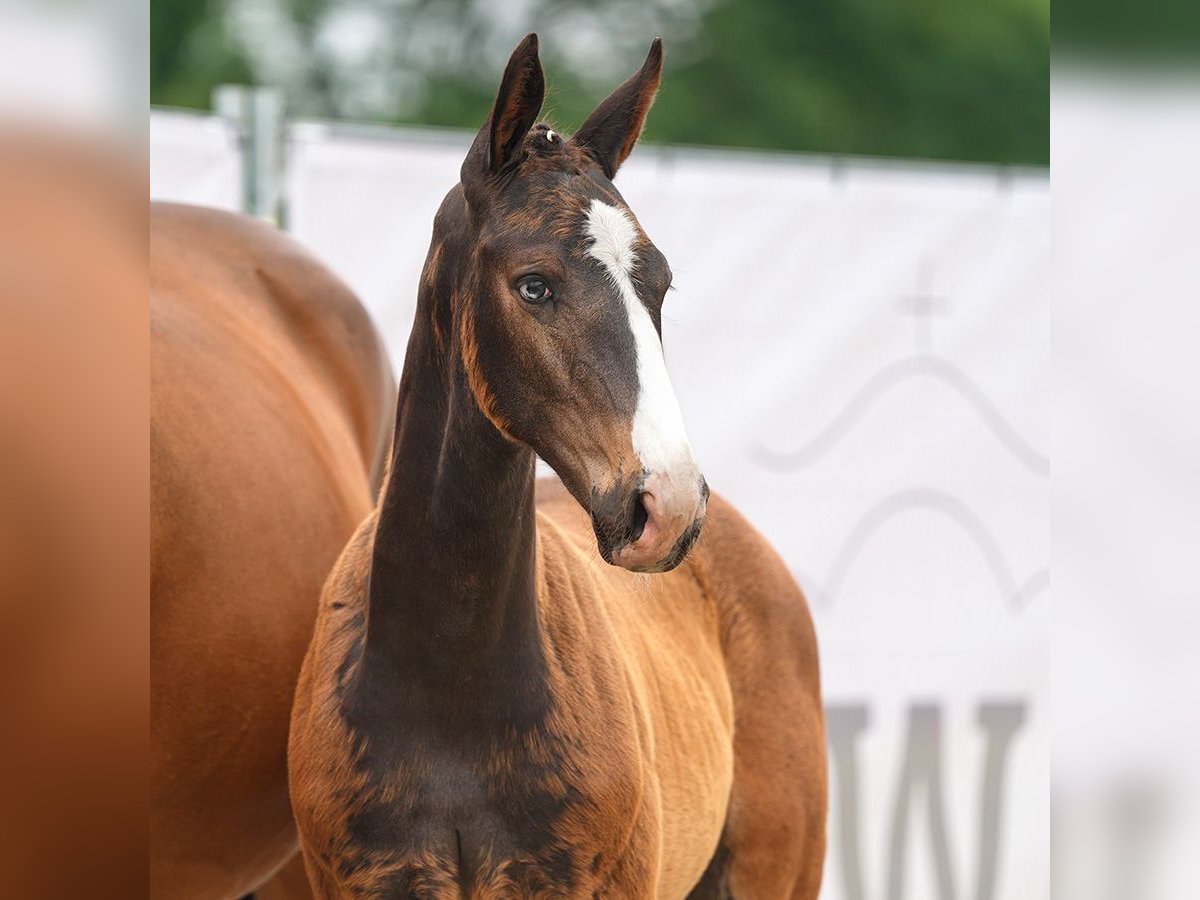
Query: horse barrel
271	405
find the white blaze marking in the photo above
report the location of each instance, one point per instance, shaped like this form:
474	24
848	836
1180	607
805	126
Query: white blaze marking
659	438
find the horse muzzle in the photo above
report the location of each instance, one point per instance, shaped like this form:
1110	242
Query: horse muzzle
652	526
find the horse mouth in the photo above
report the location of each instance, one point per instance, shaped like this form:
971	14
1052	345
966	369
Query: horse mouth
646	536
627	555
683	546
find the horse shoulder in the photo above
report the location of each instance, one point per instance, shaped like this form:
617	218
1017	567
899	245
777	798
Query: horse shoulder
763	612
774	836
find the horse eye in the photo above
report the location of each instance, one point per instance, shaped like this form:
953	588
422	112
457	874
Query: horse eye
534	290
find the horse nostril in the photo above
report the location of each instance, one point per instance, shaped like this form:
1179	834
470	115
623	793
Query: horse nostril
640	516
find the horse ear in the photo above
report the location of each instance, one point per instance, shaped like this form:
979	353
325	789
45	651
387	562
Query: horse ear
518	102
614	126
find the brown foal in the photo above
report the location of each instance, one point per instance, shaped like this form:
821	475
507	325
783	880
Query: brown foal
496	701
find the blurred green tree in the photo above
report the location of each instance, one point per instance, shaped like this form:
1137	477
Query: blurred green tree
941	79
191	52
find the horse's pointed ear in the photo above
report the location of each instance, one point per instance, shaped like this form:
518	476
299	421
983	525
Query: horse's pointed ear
614	126
518	102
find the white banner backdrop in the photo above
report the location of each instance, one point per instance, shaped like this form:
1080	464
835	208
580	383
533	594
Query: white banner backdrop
861	352
195	159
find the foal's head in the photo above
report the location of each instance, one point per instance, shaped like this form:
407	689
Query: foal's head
558	320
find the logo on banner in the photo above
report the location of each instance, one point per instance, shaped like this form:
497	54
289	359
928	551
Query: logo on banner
920	786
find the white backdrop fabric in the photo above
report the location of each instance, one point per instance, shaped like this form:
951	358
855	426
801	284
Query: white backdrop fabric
195	159
861	352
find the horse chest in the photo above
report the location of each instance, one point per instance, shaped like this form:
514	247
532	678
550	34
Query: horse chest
538	818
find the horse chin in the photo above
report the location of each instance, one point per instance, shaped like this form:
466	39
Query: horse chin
627	557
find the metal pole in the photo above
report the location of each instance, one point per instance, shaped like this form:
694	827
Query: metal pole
257	114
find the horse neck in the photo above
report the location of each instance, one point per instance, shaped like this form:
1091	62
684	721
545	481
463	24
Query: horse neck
452	602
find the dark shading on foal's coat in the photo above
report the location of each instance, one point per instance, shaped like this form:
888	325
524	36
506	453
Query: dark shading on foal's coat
489	708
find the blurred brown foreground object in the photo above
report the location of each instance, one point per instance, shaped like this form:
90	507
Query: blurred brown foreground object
74	676
270	401
270	407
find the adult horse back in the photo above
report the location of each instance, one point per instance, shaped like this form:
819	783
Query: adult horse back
271	403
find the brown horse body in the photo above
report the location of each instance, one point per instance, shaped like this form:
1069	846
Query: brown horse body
271	399
488	707
681	751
